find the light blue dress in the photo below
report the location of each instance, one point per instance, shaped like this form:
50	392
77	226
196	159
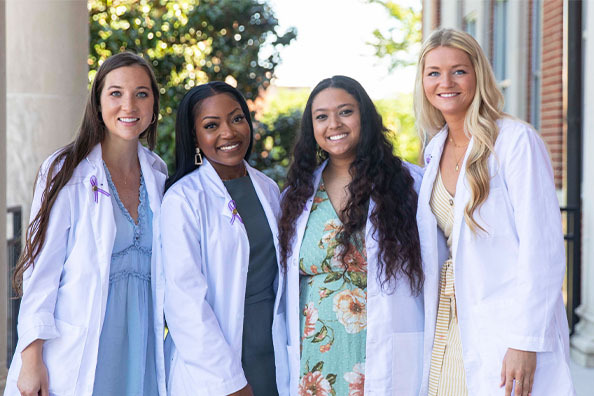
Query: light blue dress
126	358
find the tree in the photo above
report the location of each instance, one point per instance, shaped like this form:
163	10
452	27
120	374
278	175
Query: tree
190	42
399	43
275	131
397	115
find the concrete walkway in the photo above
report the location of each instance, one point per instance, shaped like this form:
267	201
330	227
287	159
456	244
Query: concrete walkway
583	379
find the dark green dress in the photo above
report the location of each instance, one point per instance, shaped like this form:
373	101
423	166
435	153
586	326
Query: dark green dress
257	355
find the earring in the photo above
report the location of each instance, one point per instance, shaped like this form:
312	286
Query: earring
198	157
153	119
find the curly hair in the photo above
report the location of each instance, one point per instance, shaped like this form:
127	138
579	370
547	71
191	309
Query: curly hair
377	174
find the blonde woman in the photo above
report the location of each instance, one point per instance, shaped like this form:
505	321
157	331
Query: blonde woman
494	311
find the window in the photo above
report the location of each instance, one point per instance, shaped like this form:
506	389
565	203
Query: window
535	72
470	24
500	44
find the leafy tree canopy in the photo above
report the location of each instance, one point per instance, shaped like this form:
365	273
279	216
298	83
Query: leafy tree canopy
190	42
399	43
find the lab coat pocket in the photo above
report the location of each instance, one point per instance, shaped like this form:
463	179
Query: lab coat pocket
63	357
407	363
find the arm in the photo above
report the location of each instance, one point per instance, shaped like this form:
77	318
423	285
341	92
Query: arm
206	355
40	285
42	279
541	262
33	379
541	253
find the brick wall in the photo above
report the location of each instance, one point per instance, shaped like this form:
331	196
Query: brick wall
436	17
551	126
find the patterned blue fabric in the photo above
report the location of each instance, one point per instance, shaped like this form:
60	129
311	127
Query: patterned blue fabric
126	359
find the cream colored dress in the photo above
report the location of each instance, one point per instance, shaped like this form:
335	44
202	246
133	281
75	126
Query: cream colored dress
446	377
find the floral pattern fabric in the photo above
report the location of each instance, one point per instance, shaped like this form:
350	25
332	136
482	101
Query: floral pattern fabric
333	306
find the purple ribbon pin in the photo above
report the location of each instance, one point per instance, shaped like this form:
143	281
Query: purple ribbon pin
234	212
428	159
96	189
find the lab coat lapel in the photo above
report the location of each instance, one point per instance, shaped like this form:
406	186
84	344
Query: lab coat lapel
216	186
154	180
302	220
460	200
101	214
265	199
425	219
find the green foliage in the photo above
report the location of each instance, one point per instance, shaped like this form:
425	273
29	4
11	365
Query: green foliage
273	143
275	132
397	115
189	42
400	42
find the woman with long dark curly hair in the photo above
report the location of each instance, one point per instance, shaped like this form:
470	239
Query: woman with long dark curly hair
350	246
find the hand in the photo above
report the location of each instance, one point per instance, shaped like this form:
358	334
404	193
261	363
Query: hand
247	391
33	378
520	366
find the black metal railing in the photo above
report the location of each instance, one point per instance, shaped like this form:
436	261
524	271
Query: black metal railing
572	219
14	251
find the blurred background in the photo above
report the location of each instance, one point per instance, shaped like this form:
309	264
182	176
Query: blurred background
275	52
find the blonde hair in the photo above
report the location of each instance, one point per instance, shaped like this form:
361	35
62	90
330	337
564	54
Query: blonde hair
481	117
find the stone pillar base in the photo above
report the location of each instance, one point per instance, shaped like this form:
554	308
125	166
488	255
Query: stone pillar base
582	341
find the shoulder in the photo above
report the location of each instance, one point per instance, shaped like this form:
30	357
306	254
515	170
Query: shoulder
188	188
512	130
54	163
416	172
44	169
264	181
156	161
516	135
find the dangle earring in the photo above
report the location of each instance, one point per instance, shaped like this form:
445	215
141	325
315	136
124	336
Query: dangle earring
198	157
321	154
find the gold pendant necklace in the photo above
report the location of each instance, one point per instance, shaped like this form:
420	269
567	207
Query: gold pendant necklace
461	155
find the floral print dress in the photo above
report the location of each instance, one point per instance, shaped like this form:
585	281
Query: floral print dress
333	306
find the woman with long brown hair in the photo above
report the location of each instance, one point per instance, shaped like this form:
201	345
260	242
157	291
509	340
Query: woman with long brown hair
91	318
350	246
496	317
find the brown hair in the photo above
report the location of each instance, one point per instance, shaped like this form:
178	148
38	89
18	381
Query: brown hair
62	165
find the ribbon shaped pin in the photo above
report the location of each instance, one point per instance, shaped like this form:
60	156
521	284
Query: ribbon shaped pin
234	212
96	189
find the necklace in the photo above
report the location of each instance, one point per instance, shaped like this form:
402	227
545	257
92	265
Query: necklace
458	158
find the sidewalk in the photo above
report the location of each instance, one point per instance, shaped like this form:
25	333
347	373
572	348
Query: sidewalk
583	379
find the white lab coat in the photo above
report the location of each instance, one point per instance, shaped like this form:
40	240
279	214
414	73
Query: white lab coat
206	259
65	292
394	345
508	280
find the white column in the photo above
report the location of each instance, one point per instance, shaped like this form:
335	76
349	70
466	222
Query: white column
47	47
3	253
517	57
450	14
582	341
428	11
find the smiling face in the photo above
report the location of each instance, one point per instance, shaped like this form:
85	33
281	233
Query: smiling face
126	103
449	81
336	123
223	134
